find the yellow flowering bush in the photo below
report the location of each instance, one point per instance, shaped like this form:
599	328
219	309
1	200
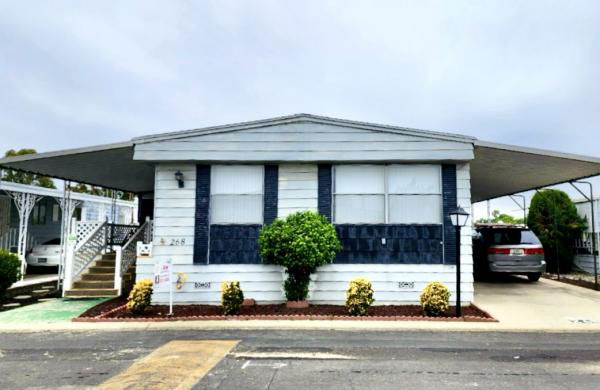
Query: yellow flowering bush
435	299
359	297
140	296
232	297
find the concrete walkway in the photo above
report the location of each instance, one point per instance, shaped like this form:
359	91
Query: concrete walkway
547	304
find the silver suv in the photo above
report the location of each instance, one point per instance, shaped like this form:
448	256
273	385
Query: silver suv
512	249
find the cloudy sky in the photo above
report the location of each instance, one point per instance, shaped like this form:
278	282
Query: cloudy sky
82	73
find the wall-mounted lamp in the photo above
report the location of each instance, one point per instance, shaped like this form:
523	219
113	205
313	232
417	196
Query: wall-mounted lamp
179	178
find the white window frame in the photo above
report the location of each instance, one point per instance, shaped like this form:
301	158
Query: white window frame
387	194
262	196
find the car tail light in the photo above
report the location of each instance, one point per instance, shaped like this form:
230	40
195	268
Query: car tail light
499	251
534	251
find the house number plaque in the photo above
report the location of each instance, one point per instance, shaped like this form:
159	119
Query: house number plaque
406	285
202	285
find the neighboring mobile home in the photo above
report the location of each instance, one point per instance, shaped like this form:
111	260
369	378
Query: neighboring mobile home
44	222
387	190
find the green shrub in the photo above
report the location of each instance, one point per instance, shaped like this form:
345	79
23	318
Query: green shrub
10	270
435	299
300	243
140	296
553	218
232	297
359	297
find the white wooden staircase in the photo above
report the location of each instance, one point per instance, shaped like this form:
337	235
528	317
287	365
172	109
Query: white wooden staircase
97	281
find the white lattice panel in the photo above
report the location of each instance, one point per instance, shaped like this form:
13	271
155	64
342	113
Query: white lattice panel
84	229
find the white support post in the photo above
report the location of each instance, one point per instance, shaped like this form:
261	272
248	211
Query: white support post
118	276
69	260
24	203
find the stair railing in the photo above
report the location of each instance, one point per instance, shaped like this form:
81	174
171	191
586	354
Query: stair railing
84	253
127	254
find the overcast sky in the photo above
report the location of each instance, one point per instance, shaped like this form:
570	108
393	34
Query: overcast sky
91	72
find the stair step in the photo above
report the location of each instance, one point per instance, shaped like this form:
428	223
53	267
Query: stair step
105	263
22	297
40	293
101	270
10	305
109	256
98	277
86	293
94	284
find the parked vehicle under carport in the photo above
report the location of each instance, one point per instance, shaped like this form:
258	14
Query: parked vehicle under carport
507	249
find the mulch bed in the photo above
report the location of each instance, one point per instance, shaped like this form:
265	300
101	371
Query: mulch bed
575	282
115	311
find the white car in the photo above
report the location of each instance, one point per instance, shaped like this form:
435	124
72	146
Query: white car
46	254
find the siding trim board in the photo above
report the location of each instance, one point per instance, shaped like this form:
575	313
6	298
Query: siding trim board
201	223
271	195
449	202
325	183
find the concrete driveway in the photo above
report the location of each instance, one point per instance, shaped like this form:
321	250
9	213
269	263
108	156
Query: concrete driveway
547	304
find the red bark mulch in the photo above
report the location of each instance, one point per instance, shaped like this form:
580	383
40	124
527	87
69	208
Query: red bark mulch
115	310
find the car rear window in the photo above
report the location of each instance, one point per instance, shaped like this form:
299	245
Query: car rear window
54	241
512	237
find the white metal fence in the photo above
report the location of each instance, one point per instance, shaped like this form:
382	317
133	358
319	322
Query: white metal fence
10	240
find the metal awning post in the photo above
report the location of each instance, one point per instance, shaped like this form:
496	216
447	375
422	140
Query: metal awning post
591	200
25	202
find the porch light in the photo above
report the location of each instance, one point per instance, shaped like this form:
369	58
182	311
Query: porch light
459	218
179	178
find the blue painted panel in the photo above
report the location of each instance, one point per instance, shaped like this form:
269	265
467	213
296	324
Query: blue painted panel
404	244
271	193
234	244
201	228
449	203
325	183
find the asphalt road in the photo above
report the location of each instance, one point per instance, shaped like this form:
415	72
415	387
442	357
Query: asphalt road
317	359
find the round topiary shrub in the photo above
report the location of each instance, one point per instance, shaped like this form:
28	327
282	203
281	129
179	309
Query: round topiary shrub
10	270
232	297
359	297
301	242
435	299
140	296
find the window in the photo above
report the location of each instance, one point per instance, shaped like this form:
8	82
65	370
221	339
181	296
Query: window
39	214
55	213
394	194
236	194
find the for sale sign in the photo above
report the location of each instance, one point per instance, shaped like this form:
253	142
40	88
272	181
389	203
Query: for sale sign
162	275
162	280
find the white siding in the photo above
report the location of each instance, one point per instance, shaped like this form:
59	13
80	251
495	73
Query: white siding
298	188
304	142
174	219
174	210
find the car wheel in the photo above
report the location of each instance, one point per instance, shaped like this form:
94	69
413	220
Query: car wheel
534	277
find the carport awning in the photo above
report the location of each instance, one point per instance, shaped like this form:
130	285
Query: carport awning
497	170
110	166
500	169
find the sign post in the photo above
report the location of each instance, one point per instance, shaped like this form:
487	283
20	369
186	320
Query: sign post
162	280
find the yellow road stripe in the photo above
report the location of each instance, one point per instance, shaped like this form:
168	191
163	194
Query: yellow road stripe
179	364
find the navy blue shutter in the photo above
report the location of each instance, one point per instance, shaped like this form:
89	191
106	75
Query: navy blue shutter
201	226
325	185
449	203
271	193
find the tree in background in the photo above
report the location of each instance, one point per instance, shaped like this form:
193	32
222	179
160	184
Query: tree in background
498	217
99	191
553	218
24	177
